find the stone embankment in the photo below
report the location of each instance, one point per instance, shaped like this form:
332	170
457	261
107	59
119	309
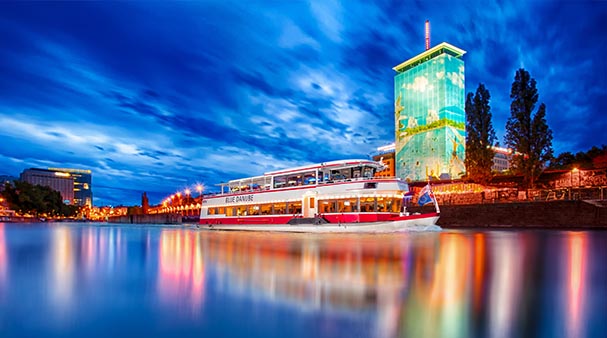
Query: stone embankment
551	214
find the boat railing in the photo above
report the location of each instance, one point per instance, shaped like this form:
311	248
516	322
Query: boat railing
289	186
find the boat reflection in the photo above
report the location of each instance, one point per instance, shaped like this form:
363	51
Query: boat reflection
181	270
447	284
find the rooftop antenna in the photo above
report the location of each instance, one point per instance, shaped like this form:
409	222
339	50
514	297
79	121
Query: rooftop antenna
427	34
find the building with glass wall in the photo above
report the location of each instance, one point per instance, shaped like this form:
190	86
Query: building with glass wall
73	184
58	181
429	97
83	193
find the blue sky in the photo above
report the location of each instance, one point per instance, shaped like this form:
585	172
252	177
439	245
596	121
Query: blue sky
159	96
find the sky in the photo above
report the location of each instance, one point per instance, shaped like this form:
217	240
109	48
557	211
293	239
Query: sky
157	96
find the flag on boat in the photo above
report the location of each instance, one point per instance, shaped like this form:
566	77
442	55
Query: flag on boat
407	198
425	196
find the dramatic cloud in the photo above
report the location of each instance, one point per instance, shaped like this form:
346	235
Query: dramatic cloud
157	97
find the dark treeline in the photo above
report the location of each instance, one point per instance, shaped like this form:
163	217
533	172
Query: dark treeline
594	158
36	200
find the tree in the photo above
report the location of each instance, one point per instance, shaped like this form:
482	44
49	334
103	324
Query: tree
480	135
527	134
36	199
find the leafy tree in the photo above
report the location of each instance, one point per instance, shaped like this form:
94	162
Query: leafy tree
480	135
25	198
527	134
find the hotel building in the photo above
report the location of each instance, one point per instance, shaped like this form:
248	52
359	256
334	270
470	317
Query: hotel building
74	185
61	182
429	97
83	195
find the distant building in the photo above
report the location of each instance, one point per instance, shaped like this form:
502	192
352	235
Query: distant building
385	154
429	114
73	184
83	193
501	159
58	181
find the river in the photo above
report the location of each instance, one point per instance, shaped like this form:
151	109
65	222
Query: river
99	280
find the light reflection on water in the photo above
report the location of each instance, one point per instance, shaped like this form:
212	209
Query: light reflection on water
73	280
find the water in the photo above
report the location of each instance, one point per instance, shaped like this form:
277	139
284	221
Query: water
82	280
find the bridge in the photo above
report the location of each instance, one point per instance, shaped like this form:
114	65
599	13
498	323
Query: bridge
181	202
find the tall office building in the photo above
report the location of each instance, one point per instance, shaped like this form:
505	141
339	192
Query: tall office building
83	193
73	184
58	181
429	97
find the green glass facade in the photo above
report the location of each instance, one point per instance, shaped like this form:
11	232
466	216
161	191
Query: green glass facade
430	119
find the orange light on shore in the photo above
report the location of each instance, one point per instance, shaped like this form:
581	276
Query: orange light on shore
187	191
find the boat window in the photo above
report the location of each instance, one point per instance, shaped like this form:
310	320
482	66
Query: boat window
280	208
323	176
328	206
383	204
396	205
212	211
294	180
230	212
368	172
241	210
367	204
253	210
347	205
309	178
222	210
265	209
280	181
340	175
370	185
294	208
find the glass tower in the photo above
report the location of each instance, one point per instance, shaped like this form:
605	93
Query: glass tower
83	193
429	97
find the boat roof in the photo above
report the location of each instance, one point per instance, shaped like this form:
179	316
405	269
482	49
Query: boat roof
329	165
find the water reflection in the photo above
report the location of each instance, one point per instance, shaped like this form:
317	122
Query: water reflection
61	261
181	275
3	263
576	276
85	280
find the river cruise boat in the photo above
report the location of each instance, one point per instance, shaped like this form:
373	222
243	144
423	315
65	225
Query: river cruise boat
337	196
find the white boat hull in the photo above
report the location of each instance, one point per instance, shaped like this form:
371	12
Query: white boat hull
404	225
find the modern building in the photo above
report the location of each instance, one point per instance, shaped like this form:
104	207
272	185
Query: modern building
58	181
73	184
83	193
429	98
501	159
385	154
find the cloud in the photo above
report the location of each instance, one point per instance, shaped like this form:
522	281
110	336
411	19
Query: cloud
157	97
